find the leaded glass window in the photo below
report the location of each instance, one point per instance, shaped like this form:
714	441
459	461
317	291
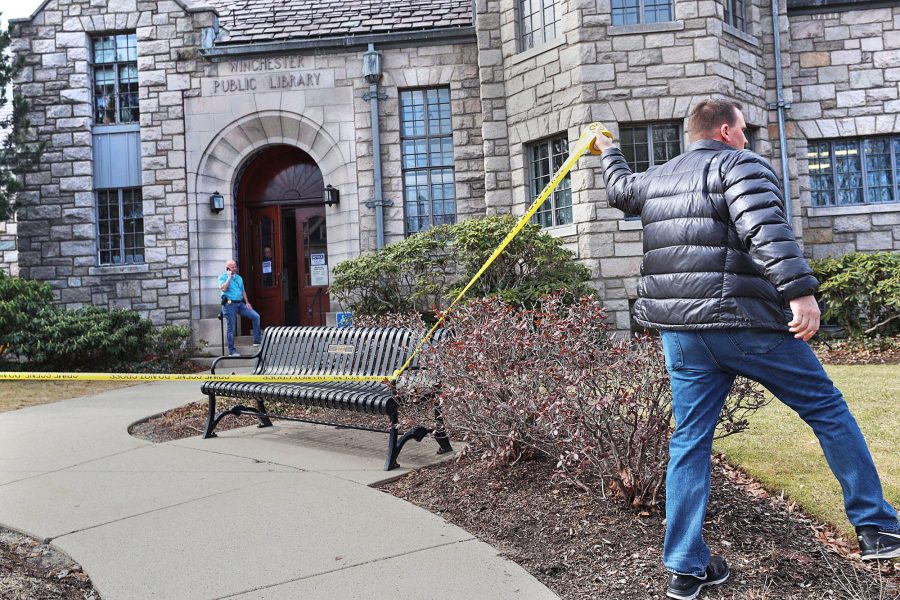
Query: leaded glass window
120	226
546	157
736	14
633	12
538	22
426	143
115	79
854	171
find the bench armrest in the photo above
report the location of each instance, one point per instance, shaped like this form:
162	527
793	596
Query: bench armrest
212	368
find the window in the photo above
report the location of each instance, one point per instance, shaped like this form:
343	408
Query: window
632	12
120	225
736	14
649	145
426	142
546	157
115	79
854	171
538	22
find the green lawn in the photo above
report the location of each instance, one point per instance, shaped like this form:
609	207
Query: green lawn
782	452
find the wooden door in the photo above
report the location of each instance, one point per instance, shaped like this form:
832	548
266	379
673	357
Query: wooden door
312	264
266	260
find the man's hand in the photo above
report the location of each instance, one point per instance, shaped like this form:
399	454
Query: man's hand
600	143
805	323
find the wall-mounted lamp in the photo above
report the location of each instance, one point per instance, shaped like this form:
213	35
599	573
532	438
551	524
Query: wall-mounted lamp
216	202
331	195
372	65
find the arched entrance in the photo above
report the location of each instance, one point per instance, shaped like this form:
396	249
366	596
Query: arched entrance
282	237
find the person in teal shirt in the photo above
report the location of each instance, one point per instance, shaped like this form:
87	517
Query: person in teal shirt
234	303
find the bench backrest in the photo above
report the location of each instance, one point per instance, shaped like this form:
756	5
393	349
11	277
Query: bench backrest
333	351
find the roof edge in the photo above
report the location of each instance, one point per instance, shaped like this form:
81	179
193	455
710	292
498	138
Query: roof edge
434	36
181	3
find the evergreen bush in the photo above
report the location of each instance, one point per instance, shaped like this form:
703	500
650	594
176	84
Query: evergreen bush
861	292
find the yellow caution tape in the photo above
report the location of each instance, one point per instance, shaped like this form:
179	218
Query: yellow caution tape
32	375
584	144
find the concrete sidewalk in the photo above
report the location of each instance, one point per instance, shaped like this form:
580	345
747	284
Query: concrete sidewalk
285	512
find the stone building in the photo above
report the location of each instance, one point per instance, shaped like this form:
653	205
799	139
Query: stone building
181	135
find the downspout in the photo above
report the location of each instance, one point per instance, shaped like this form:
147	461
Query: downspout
780	106
378	200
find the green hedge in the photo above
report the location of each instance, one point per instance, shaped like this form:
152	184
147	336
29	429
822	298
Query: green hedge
48	337
861	292
426	270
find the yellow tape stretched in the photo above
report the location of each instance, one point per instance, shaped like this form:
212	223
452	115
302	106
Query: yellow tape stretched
583	145
24	375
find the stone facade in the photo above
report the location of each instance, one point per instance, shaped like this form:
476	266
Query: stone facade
57	229
9	253
202	121
846	69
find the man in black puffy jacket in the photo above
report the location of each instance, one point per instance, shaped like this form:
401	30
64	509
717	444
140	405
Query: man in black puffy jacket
725	282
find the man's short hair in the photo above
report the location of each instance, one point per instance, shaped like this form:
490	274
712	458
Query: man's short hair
709	115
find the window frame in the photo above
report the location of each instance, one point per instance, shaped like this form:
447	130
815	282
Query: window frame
526	37
116	66
732	17
552	200
893	142
428	169
122	251
641	8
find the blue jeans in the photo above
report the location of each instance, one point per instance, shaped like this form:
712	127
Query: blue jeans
231	312
702	365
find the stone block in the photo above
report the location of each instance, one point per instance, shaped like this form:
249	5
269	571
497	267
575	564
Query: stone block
852	223
875	241
854	98
866	79
620	267
886	59
815	59
823	91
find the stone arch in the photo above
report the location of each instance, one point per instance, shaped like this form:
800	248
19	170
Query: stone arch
217	168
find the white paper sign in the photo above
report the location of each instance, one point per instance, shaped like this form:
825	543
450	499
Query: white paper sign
266	267
318	275
317	260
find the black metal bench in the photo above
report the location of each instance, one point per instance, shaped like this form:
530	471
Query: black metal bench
330	351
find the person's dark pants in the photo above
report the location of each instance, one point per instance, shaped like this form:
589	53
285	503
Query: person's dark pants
702	365
231	313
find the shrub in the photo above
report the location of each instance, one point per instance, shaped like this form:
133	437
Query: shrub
429	268
553	382
861	292
48	337
20	300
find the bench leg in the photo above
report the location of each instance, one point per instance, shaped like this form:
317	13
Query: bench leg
263	420
440	434
393	450
211	420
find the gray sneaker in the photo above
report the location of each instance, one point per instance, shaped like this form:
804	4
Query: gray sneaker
875	544
235	353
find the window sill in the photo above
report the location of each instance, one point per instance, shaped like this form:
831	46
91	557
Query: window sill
741	35
532	52
119	269
851	209
559	231
630	225
645	28
116	128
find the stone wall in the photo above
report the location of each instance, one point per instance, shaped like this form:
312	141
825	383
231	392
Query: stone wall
57	222
846	67
9	253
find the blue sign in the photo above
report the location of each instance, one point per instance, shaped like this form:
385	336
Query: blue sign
344	319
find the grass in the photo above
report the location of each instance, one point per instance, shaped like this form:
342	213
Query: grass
781	451
21	394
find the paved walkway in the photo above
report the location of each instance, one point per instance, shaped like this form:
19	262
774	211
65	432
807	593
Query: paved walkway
285	512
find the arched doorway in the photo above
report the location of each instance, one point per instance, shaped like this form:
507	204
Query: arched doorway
282	237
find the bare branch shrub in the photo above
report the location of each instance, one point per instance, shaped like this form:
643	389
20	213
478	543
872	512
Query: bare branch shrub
553	382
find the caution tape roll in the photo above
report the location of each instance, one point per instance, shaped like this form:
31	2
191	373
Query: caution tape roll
583	145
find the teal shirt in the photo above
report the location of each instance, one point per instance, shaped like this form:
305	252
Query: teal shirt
235	290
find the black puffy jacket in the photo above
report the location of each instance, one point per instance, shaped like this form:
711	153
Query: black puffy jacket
718	251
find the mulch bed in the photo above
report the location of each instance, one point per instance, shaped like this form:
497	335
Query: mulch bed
30	570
